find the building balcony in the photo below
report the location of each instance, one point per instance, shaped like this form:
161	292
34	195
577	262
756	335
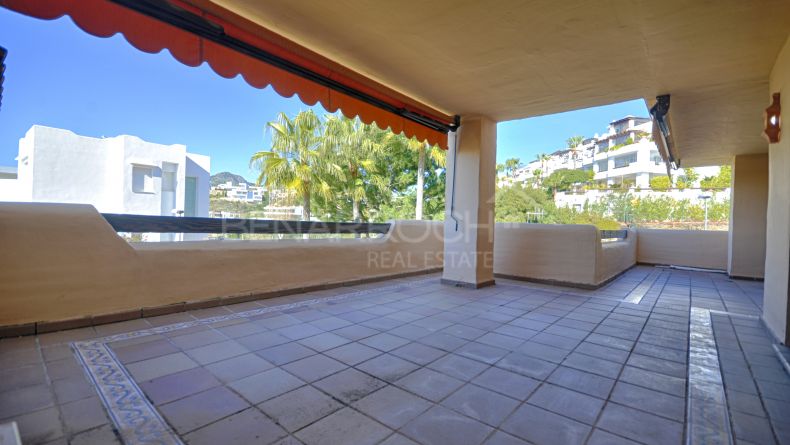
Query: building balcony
581	340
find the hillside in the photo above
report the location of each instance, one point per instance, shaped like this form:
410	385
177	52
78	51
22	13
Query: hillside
223	177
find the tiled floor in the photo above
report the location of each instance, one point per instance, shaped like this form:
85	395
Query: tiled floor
412	361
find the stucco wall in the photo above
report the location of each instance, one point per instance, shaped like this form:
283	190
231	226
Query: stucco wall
777	255
64	261
748	216
570	254
692	248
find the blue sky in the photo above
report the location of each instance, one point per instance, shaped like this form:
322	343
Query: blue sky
59	76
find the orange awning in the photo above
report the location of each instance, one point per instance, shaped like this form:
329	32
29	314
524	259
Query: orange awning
197	31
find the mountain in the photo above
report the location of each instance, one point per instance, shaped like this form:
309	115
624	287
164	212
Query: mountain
223	177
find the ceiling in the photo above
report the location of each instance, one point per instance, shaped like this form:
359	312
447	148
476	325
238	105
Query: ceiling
516	59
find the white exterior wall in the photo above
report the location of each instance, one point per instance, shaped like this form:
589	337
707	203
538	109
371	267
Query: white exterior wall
56	165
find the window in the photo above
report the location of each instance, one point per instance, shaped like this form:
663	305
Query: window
142	179
656	158
624	161
603	165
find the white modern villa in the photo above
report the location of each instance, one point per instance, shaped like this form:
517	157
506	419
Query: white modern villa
625	154
122	174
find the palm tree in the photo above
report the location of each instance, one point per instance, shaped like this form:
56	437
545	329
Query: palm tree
353	150
543	158
511	165
573	143
294	161
424	151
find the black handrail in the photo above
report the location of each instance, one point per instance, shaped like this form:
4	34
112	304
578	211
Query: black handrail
188	224
614	234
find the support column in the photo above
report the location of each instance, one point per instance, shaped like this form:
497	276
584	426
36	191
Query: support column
776	310
469	211
748	208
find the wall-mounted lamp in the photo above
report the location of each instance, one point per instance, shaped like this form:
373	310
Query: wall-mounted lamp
773	120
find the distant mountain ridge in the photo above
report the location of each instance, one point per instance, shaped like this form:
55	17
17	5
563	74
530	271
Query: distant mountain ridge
223	177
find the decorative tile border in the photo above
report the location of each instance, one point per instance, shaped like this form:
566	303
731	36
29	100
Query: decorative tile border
137	421
639	292
708	418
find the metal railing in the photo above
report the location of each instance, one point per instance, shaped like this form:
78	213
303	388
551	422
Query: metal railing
614	234
188	224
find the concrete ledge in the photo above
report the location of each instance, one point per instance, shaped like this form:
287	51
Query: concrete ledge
44	327
466	285
565	283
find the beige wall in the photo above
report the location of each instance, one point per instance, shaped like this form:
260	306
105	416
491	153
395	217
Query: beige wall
570	254
469	224
777	258
693	248
749	204
64	261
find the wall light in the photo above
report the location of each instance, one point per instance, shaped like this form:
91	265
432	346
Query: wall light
773	120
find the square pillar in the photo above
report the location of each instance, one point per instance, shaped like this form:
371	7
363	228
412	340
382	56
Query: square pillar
748	209
776	310
469	211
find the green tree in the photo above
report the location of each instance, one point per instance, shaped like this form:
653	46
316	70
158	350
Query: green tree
660	183
720	181
514	202
294	161
562	179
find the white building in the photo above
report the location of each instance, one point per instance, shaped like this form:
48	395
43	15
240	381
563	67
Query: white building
625	155
122	174
241	192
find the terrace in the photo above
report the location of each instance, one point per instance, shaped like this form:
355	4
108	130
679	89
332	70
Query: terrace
656	356
456	332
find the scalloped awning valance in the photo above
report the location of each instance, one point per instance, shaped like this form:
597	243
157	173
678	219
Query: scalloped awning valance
198	31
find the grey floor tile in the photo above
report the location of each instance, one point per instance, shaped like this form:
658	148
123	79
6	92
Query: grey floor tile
593	364
247	427
300	407
103	435
751	428
392	406
430	384
654	402
142	351
601	437
181	384
353	353
481	404
526	365
160	366
262	340
443	341
542	427
25	400
349	385
216	352
459	367
482	353
265	385
314	367
200	409
507	383
324	341
344	426
40	426
584	382
238	367
387	367
543	352
500	438
639	425
662	366
83	415
418	353
568	403
285	353
384	342
653	380
441	426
